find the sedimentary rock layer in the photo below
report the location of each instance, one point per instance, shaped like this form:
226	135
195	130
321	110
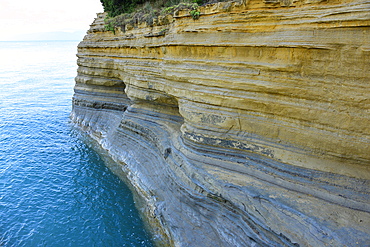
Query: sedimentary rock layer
247	127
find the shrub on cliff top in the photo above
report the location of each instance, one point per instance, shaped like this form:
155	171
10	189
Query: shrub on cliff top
118	7
122	13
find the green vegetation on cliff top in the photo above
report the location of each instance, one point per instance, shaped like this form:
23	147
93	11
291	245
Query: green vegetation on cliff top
132	12
118	7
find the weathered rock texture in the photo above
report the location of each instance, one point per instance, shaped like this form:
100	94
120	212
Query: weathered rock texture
247	127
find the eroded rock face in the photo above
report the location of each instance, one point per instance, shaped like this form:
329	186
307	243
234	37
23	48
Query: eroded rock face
247	127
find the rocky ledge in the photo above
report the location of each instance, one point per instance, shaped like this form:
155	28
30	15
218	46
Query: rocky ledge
247	127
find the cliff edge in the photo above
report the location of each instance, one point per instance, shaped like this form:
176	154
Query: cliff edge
247	127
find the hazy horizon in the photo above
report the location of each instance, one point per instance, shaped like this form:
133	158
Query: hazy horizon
25	20
48	36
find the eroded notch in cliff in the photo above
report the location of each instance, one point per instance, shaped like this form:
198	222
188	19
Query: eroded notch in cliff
99	90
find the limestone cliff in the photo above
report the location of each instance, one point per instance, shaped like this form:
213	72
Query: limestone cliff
247	127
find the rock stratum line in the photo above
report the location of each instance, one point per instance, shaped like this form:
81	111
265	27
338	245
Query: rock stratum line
247	127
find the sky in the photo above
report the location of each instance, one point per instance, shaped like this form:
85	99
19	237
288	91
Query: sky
46	19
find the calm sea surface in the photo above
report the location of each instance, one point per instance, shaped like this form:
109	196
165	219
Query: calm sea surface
54	189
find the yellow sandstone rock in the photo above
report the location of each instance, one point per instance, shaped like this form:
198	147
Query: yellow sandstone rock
259	110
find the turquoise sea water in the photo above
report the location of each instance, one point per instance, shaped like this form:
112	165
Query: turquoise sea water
54	189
